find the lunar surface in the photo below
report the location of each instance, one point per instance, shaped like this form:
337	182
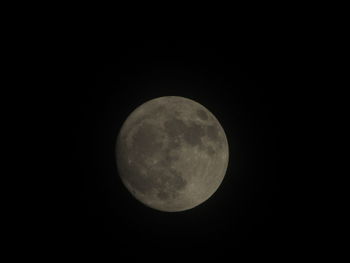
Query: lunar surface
172	153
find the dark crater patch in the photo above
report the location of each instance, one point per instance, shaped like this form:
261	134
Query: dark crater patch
202	115
210	150
193	134
169	158
163	195
173	144
178	182
174	127
159	108
168	184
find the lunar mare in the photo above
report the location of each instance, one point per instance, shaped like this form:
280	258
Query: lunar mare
172	153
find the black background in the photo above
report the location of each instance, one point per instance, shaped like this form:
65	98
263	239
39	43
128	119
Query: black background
243	84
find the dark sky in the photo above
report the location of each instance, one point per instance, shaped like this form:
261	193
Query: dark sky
243	84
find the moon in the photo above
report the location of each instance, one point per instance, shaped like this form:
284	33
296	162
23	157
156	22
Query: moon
172	153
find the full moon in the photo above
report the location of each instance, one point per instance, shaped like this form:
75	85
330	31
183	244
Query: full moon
172	153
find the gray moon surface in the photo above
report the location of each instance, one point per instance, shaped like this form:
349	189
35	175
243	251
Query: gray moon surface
172	153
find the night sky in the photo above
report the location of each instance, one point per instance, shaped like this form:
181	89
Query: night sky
241	83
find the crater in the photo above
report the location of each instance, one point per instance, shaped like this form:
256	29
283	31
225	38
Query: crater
174	143
177	182
174	127
163	195
159	108
193	134
202	115
169	184
210	150
170	156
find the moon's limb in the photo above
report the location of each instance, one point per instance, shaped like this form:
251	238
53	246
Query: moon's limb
172	153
